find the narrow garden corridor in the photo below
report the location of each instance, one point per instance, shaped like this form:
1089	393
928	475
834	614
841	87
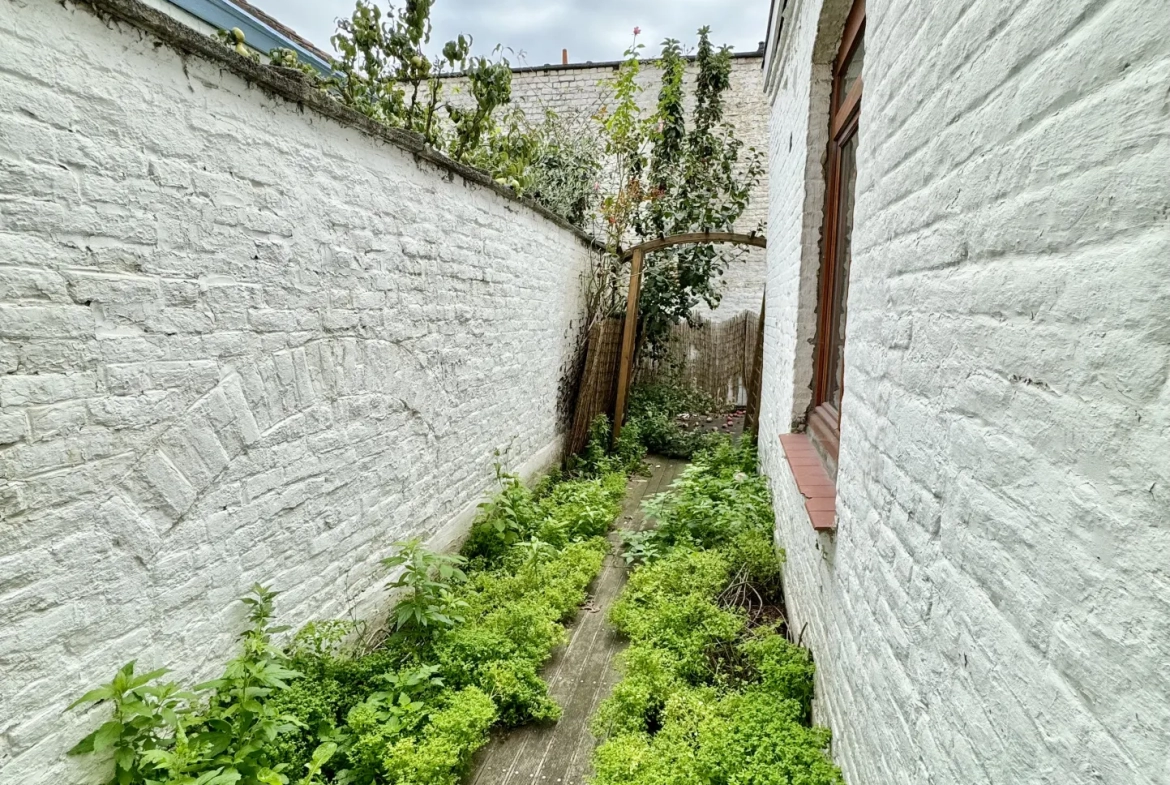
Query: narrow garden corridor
581	674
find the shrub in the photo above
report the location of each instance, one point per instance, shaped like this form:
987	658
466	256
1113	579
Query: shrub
441	753
427	578
502	522
599	459
718	497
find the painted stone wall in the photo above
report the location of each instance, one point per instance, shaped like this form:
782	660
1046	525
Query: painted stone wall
240	341
575	91
993	606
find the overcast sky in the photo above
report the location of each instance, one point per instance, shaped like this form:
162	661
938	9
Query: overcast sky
594	30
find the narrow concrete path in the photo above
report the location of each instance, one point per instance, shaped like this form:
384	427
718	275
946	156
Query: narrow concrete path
580	675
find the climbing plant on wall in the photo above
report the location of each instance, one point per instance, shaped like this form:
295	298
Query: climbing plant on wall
673	172
700	178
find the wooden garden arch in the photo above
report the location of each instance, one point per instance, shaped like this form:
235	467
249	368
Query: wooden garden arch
636	255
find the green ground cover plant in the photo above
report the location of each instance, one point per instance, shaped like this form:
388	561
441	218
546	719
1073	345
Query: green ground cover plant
712	693
459	653
654	410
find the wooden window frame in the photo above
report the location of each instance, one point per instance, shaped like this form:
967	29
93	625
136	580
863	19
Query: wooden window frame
845	108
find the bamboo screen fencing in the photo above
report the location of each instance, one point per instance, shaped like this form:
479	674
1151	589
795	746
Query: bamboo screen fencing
598	380
713	357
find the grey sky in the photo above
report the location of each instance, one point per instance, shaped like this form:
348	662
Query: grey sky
590	29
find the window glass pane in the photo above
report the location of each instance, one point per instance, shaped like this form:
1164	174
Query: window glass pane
851	69
844	249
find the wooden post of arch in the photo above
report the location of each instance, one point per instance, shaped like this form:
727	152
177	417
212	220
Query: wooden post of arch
637	256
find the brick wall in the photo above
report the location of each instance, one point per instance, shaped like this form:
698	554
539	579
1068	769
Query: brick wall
576	93
993	606
239	341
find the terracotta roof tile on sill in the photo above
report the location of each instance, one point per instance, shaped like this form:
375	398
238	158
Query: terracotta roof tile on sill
813	482
822	504
823	521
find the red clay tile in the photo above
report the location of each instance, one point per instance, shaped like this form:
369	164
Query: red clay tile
812	480
805	475
799	448
805	460
823	521
822	504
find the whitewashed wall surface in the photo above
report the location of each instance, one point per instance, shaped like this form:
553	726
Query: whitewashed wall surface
995	604
239	341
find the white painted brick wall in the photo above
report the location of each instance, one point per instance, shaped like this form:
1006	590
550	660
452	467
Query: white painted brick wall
994	606
578	93
239	342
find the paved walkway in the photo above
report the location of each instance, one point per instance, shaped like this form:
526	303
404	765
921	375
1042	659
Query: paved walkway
580	675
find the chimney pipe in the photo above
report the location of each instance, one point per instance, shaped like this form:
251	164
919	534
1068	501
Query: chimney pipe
564	57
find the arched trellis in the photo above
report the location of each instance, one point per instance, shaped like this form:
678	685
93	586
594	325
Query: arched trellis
636	255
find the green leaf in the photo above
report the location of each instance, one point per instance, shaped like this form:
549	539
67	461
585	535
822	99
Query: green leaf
124	757
148	677
84	746
93	696
323	753
107	735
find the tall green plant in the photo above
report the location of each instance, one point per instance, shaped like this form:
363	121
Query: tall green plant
427	580
700	180
383	70
218	733
625	133
672	172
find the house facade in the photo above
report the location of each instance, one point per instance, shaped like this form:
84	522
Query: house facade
965	405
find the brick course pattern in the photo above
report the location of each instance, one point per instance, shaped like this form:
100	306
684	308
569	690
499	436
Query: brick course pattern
239	342
993	606
576	93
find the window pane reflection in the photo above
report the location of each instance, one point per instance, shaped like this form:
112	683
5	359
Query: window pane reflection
852	69
844	251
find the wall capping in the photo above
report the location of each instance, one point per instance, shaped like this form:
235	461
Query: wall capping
291	86
612	65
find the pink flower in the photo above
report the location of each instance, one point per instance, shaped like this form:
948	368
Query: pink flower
596	187
637	31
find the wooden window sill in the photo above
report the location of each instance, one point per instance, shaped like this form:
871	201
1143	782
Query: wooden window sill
813	482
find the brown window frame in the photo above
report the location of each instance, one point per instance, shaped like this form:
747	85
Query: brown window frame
845	109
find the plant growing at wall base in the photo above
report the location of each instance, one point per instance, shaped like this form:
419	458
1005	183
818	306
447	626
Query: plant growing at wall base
216	732
428	579
145	719
414	709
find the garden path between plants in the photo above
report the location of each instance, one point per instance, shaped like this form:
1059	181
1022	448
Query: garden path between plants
581	674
